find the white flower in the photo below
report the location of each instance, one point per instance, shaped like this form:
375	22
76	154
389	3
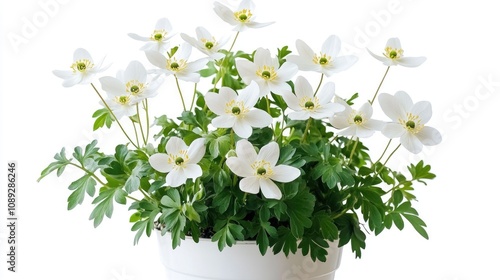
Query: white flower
260	170
132	82
158	41
178	64
82	69
393	55
307	105
267	72
206	43
236	111
408	121
180	161
356	123
326	61
242	18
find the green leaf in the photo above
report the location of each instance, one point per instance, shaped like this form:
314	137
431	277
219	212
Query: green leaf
228	235
59	165
91	151
299	210
85	184
286	242
327	227
104	205
102	118
421	172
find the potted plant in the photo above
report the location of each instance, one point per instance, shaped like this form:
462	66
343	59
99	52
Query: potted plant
260	155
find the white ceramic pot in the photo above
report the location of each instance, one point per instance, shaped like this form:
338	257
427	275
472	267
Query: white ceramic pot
243	261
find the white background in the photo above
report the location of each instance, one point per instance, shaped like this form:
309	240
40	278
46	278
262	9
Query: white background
39	117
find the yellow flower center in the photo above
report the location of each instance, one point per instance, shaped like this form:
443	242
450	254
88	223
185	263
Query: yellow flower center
309	103
322	59
209	44
267	73
158	35
393	53
236	108
134	87
243	15
356	118
124	99
82	65
262	169
178	160
412	123
175	65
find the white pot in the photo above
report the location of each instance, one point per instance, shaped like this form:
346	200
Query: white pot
243	261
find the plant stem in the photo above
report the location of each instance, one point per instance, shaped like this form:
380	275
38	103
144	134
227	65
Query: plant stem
383	78
114	116
133	198
180	92
353	150
320	82
146	108
194	97
383	153
145	195
306	130
385	162
135	131
140	125
234	41
88	172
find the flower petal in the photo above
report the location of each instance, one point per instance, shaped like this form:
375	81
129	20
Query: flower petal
291	100
269	189
224	121
411	143
331	46
196	150
246	151
135	71
240	166
81	54
225	13
242	128
285	173
192	171
270	153
138	37
299	115
250	184
429	136
249	95
423	109
159	162
394	109
393	130
157	59
175	145
303	88
176	177
247	70
258	118
411	61
326	93
112	86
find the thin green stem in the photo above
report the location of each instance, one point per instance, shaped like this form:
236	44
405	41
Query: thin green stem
353	150
379	85
140	125
114	116
133	198
88	172
145	195
383	153
320	82
194	97
135	131
306	130
390	155
180	93
146	109
234	41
